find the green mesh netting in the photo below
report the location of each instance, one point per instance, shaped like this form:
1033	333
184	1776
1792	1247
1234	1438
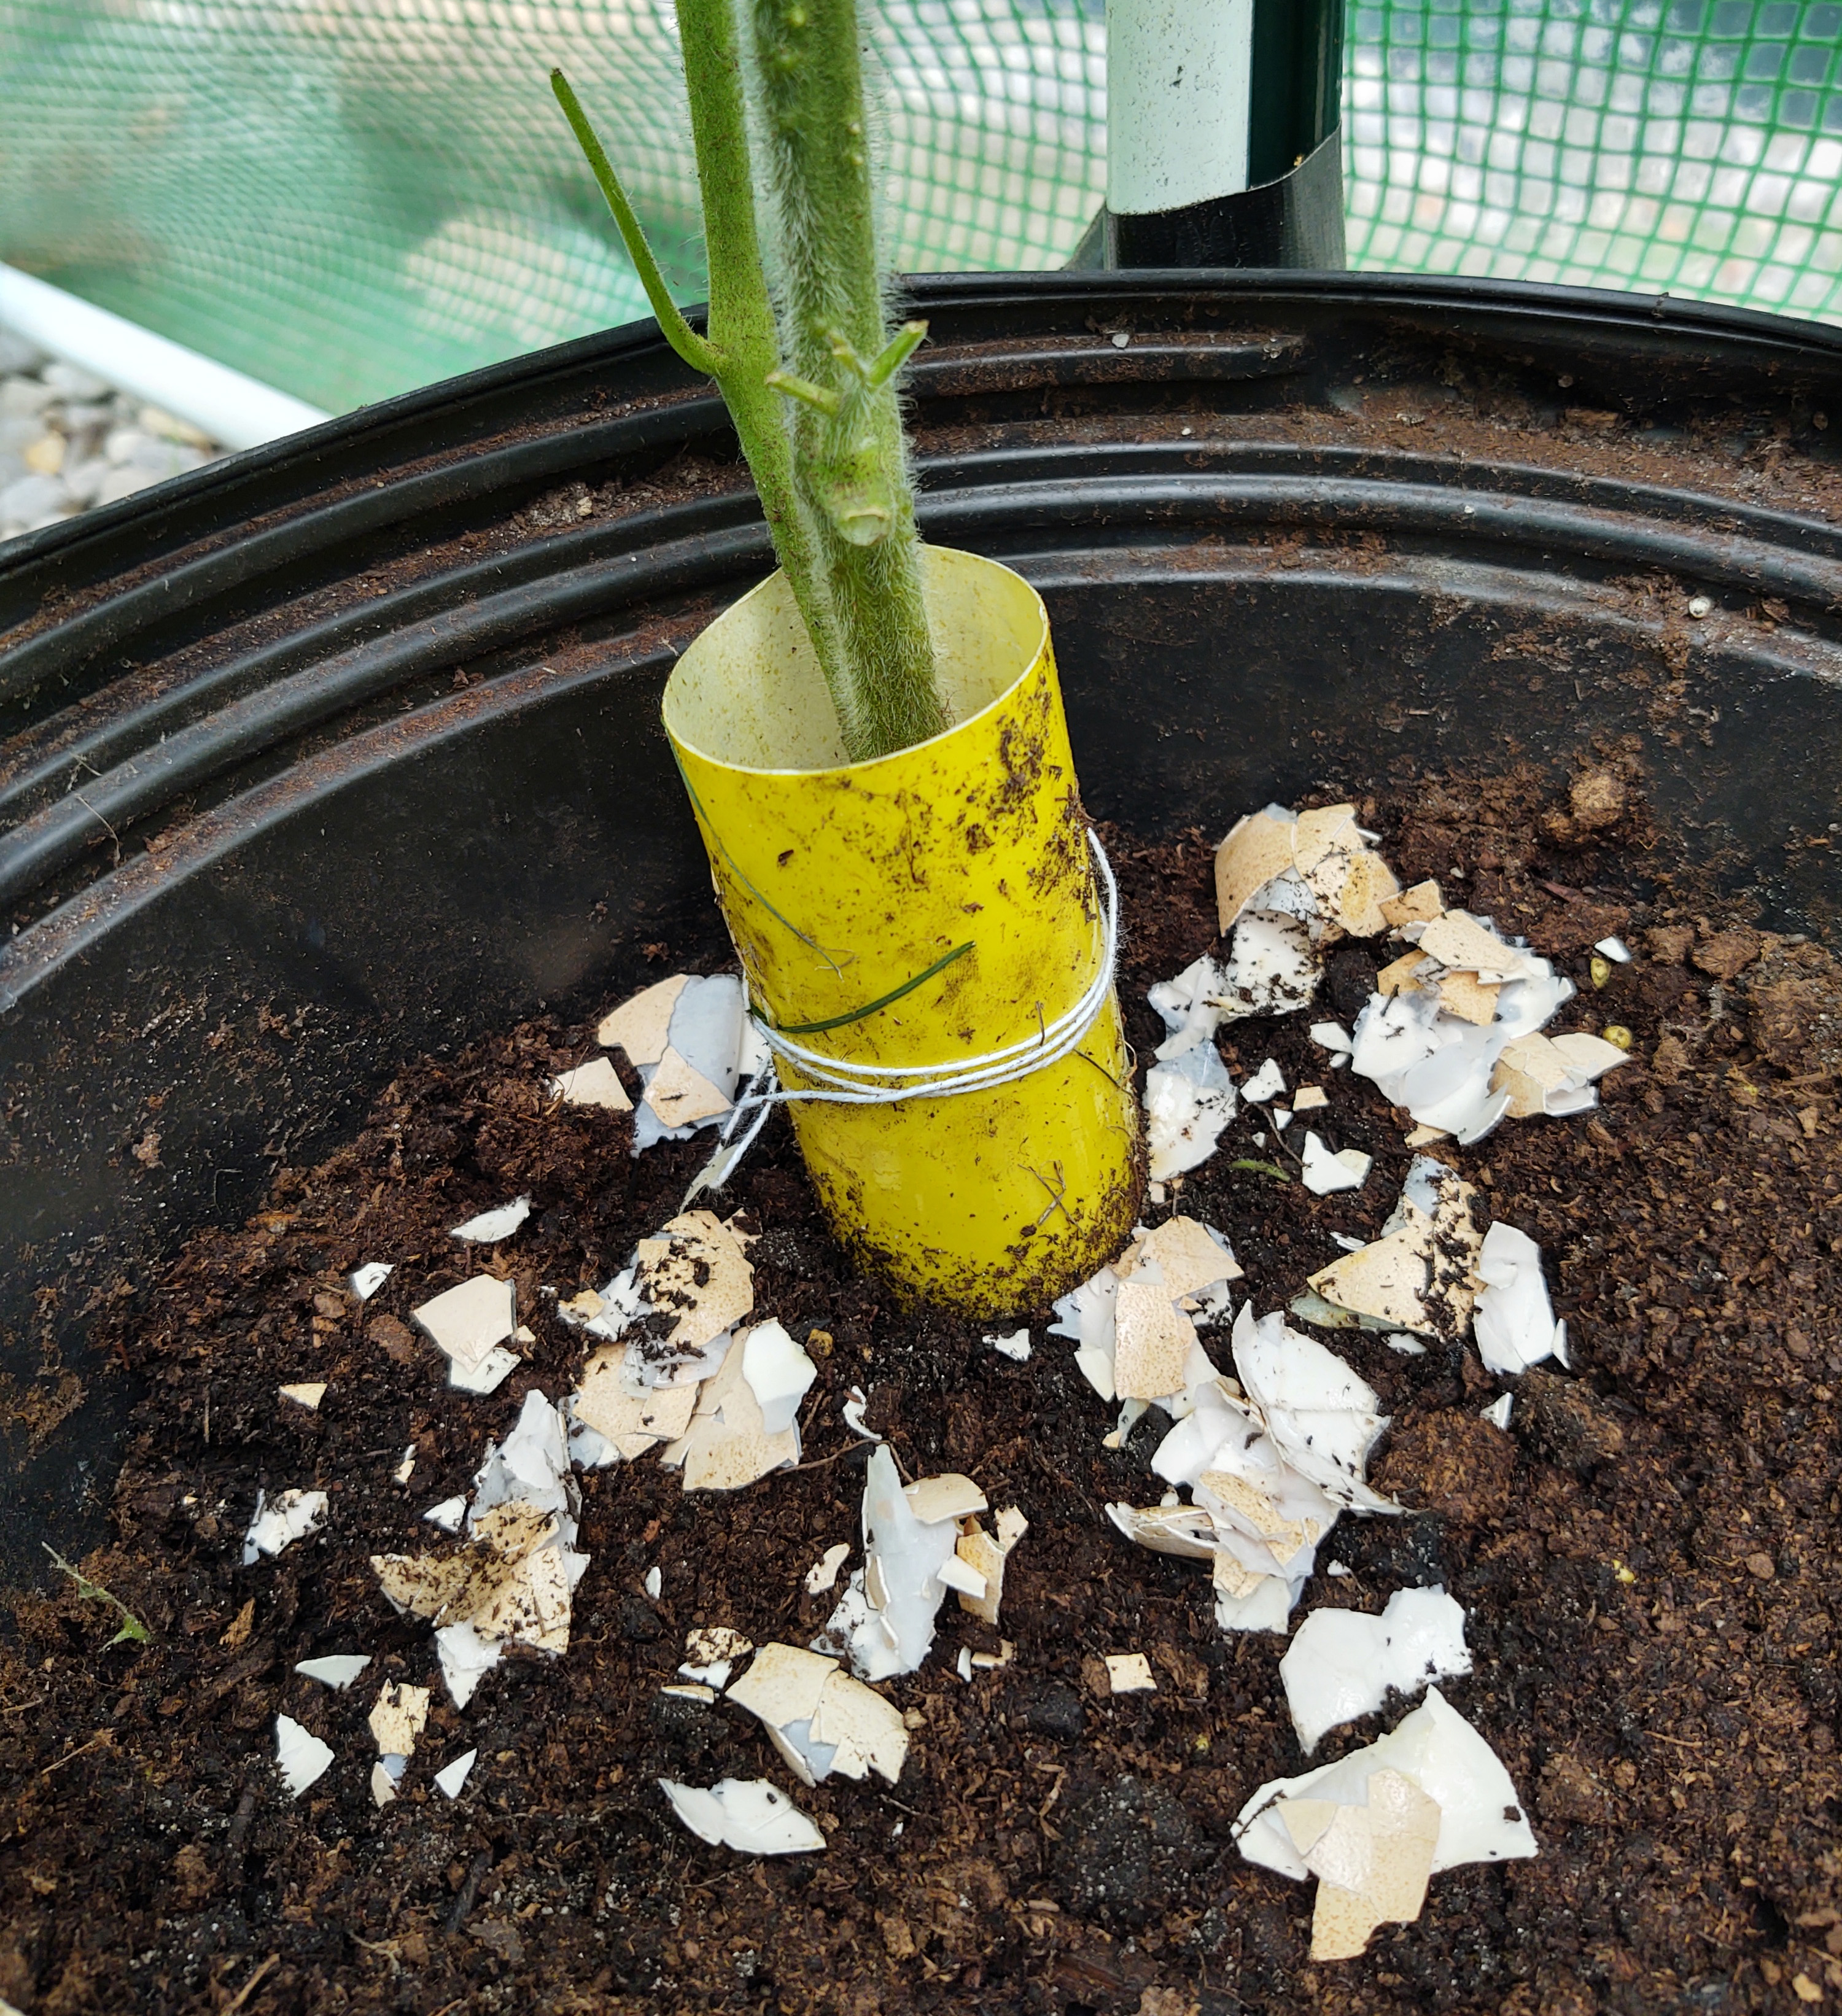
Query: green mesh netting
349	197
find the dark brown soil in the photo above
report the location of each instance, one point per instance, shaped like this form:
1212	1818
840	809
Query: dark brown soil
1644	1558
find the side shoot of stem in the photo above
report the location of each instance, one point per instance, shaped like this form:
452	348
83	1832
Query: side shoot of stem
813	390
742	347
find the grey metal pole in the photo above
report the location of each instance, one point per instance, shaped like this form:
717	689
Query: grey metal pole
1223	141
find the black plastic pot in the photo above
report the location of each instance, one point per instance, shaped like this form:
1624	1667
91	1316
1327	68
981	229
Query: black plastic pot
348	748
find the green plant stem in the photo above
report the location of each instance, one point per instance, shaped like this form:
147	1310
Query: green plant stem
742	346
812	390
849	459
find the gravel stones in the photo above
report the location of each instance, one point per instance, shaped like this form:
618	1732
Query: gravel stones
18	358
31	501
69	443
71	381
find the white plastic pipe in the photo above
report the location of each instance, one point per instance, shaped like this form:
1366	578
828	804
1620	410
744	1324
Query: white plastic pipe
1179	74
239	411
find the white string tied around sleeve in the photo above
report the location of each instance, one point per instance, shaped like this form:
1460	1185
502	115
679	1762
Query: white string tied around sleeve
841	1081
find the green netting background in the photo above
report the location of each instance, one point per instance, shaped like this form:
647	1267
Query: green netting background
347	198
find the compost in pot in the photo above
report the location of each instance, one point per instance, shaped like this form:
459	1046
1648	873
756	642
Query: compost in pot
1633	1552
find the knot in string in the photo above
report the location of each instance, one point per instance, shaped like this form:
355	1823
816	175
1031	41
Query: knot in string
843	1081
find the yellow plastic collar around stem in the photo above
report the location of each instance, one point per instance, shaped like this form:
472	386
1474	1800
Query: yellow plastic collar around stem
841	882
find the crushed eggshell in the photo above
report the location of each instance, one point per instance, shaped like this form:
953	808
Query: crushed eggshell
405	1467
1258	1518
1319	1414
822	1574
468	1322
1186	1531
1331	1036
1420	905
1372	1861
488	1375
1272	968
1554	1074
1514	1325
1196	1262
1086	1314
1272	859
1257	848
727	1445
387	1776
750	1816
779	1373
491	1226
366	1281
1342	1663
1471	999
820	1718
1403	976
641	1025
308	1394
711	1652
300	1755
447	1515
1152	1340
631	1423
465	1658
697	1272
690	1039
885	1617
1439	1035
278	1522
594	1084
1130	1673
1266	1083
337	1670
397	1718
1308	1098
1180	1274
1187	1103
1437	1751
781	1687
513	1580
451	1777
959	1575
948	1496
681	1096
1324	1172
1014	1345
1497	1414
1420	1274
1458	940
986	1557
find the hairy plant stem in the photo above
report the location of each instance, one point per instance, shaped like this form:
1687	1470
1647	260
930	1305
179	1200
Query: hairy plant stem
812	392
741	348
849	459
